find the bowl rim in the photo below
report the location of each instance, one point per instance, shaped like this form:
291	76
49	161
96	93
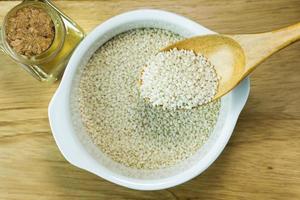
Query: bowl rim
60	120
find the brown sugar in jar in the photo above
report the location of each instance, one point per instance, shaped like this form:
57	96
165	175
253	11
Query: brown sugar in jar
39	37
30	31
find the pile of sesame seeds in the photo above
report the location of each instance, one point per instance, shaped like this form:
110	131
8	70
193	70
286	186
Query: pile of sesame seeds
179	79
120	122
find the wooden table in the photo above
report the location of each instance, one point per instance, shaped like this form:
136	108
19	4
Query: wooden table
261	161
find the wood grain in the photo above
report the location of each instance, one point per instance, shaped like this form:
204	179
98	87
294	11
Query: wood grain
261	161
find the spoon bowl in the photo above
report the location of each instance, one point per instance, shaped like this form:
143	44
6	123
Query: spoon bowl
223	52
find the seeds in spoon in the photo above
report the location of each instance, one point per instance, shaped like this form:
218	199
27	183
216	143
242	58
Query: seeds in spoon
179	79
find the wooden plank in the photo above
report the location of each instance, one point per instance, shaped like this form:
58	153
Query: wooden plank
262	160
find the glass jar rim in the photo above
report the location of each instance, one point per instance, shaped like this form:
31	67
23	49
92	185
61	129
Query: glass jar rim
56	45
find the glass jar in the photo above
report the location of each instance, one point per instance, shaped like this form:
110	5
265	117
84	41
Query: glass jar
49	65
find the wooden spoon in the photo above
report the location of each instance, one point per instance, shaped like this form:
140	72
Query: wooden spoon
236	56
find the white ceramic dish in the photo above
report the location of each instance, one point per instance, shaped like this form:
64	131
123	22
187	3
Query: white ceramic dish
77	147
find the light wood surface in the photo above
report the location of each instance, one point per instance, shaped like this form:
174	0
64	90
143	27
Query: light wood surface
261	161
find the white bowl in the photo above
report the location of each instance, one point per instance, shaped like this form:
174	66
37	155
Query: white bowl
78	149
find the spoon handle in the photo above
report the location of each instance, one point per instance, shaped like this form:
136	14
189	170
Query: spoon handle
258	47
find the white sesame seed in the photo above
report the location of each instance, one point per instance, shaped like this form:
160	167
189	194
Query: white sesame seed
117	118
179	79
